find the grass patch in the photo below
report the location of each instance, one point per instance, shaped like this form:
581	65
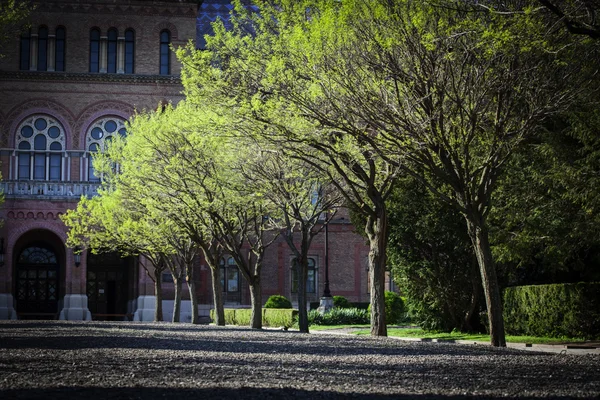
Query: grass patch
420	333
333	327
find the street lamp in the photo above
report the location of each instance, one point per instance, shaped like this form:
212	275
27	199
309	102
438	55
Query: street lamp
77	256
326	303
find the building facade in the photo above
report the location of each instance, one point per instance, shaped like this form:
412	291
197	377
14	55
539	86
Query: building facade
67	85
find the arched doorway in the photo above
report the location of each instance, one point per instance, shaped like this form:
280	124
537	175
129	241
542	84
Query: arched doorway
37	283
108	286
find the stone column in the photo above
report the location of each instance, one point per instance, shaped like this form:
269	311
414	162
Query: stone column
121	55
103	53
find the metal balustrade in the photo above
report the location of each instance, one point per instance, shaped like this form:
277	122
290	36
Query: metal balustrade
33	189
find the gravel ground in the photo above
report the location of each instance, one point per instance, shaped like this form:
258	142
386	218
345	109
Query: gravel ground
97	360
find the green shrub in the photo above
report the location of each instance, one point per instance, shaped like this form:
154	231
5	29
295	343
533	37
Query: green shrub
242	316
339	316
341	302
571	310
270	317
278	301
275	317
394	308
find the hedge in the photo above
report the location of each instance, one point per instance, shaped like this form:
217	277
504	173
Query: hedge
273	317
560	310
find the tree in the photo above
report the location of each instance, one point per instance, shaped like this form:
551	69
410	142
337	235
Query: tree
438	92
12	15
580	17
304	200
232	76
181	162
105	223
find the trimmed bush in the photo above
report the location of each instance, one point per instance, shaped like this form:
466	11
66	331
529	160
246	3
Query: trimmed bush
561	310
341	302
270	316
275	317
278	301
339	316
394	308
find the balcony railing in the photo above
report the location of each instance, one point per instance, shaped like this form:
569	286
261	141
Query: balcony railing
29	189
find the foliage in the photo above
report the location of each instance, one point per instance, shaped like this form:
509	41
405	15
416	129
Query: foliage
339	316
341	302
394	308
278	301
432	261
273	317
557	310
12	15
547	213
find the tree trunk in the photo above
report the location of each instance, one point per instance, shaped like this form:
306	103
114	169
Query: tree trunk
256	304
479	238
377	232
192	288
177	303
302	273
158	309
215	273
470	322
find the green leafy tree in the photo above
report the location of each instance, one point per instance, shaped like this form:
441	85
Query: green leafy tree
444	92
304	202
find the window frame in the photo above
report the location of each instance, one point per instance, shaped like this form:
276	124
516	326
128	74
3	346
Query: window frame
112	48
60	44
95	54
129	61
165	53
310	277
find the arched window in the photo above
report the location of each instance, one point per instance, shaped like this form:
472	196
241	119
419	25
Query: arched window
230	276
111	66
42	61
40	146
311	278
25	49
59	52
99	135
95	50
129	50
165	55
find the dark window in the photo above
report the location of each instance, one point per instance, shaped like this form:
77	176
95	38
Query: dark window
42	62
24	165
230	276
55	166
165	56
59	54
91	171
311	281
94	50
39	166
39	143
129	50
25	43
111	66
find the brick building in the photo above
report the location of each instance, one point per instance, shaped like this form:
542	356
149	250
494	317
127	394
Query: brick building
66	86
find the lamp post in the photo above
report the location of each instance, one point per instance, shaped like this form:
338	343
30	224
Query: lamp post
326	303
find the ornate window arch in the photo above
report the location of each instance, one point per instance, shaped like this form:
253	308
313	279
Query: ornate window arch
40	146
98	135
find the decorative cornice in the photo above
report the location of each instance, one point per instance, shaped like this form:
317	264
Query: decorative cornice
89	77
169	8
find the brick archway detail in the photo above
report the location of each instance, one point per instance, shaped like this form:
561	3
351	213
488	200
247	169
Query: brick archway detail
40	106
98	110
